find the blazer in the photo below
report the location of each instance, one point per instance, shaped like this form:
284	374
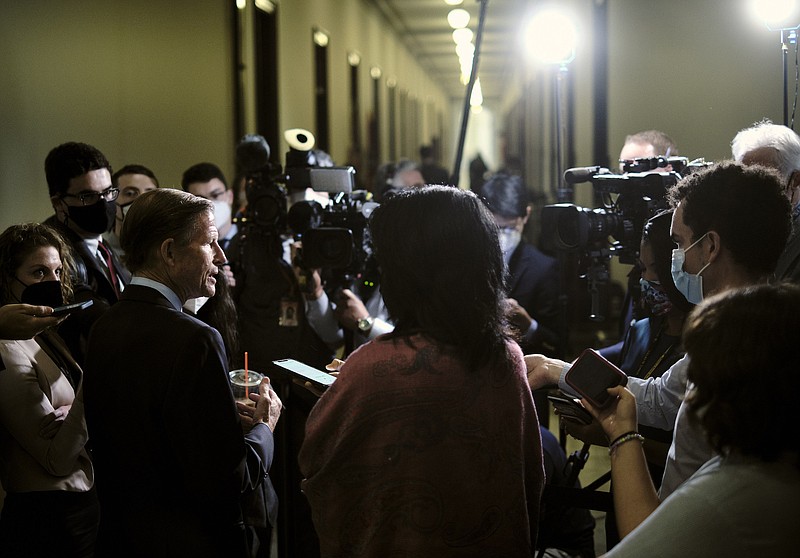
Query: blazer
89	283
533	282
32	385
170	456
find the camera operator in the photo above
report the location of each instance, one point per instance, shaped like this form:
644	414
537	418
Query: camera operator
725	241
348	310
646	144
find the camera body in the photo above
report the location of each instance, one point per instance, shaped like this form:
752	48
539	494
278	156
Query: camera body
628	201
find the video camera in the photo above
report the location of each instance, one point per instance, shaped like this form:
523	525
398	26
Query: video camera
628	201
614	229
268	189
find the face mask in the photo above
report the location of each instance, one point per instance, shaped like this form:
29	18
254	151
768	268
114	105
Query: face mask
655	298
97	218
44	293
222	214
688	284
509	240
125	208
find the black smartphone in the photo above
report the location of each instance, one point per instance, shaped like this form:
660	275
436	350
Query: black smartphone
67	308
570	409
591	375
317	377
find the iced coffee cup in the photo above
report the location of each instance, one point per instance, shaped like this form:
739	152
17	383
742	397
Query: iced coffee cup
244	383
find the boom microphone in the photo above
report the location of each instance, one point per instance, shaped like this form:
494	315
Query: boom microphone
583	174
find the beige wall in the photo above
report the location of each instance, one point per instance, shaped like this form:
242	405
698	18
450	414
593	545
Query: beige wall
146	82
151	82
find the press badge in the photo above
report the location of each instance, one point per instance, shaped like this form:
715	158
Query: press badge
289	310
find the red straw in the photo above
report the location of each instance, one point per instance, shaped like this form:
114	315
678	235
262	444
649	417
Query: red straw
246	383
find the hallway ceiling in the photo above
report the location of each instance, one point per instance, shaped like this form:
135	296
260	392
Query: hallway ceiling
424	27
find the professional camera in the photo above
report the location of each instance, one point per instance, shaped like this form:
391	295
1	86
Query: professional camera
333	233
628	201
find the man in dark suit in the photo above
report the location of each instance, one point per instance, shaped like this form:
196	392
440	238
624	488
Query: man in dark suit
776	146
532	306
79	181
172	462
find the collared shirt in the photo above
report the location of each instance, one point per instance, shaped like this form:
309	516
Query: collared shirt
168	293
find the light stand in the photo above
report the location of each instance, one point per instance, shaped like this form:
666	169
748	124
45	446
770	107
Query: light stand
788	37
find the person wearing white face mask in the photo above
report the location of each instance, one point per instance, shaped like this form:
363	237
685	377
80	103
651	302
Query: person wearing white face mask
532	304
730	224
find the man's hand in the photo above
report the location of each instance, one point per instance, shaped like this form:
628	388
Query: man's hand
517	316
591	433
310	280
349	309
51	423
231	280
24	321
543	371
267	409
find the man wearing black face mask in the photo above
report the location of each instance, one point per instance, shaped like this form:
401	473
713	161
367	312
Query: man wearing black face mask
79	180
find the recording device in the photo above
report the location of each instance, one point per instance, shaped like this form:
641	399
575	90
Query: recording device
334	234
300	370
628	200
69	308
591	375
570	409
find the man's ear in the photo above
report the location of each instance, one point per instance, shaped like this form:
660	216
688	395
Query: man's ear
59	207
713	246
167	251
793	188
527	215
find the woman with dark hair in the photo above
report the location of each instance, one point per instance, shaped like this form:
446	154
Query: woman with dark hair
744	370
653	344
428	442
50	508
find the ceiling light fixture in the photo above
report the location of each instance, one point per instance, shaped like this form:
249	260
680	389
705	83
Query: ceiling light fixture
458	18
462	36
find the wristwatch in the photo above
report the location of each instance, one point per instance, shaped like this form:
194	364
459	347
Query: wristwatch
365	324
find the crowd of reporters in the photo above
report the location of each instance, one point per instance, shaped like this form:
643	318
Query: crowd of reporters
429	441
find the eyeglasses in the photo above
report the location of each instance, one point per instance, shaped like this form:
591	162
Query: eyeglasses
91	198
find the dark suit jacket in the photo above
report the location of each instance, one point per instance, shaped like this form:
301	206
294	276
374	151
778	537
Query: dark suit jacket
788	268
89	283
533	282
167	442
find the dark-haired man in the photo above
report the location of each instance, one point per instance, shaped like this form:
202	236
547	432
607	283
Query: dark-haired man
206	180
724	241
82	195
131	181
172	464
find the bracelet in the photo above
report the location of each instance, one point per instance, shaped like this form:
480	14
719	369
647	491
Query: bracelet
627	437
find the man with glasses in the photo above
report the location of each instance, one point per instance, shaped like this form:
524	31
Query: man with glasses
79	181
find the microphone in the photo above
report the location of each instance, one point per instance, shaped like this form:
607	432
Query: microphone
583	174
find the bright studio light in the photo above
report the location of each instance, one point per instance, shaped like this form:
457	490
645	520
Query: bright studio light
458	18
775	13
551	37
462	36
453	2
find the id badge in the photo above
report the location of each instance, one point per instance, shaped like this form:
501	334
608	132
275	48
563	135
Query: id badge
289	311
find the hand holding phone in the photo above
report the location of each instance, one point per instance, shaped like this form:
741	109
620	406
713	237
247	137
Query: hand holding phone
591	375
305	372
68	308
